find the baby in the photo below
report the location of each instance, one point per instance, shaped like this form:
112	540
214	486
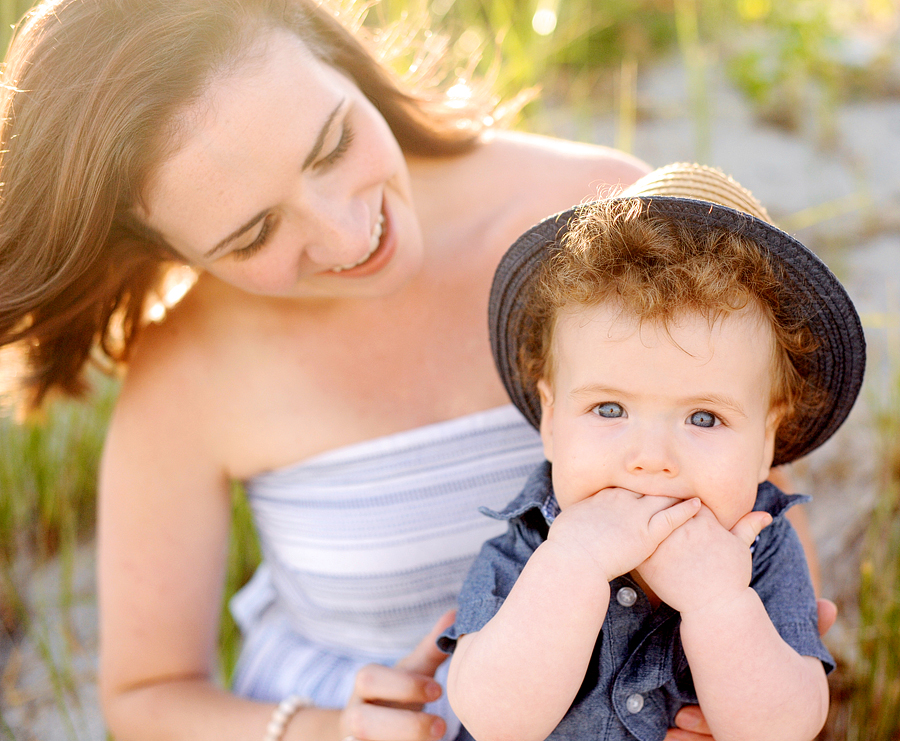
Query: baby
671	345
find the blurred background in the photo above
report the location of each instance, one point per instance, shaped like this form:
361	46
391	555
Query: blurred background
799	100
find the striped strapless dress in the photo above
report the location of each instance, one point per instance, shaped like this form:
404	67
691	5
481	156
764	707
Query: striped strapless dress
366	546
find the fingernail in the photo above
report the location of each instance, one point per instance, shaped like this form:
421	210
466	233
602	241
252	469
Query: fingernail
438	728
433	691
687	719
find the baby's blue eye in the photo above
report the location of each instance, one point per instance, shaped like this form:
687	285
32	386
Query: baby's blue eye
609	409
703	419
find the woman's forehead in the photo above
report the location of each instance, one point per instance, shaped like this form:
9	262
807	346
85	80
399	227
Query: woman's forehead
251	121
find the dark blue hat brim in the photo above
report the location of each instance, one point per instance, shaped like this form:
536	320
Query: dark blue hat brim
836	366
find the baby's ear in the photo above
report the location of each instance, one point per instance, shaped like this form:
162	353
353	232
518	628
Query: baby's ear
545	391
773	422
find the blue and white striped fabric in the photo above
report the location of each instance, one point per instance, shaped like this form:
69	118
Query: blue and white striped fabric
367	546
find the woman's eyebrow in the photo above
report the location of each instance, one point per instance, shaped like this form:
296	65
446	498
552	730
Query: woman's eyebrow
320	140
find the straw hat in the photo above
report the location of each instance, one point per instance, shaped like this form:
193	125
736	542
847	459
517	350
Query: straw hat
704	197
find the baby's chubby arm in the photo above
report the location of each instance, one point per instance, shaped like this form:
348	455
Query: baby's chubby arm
750	683
516	677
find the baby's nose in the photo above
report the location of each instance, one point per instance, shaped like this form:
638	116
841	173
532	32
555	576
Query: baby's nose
651	452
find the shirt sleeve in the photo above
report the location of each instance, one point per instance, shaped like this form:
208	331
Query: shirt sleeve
490	579
781	578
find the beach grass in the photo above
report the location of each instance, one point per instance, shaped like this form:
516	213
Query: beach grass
872	711
787	58
48	474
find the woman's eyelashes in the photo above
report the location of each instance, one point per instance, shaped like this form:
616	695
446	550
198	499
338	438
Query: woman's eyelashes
257	244
328	160
340	148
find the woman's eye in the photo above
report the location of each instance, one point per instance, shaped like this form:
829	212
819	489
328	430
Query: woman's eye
703	419
340	148
245	253
609	409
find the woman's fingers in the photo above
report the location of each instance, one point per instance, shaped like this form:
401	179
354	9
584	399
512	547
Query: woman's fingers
395	687
368	722
409	683
387	701
427	657
689	725
387	706
827	615
677	734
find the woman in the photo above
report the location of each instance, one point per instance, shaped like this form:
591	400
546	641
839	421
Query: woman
331	353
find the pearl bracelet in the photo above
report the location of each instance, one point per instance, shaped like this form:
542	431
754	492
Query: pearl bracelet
286	710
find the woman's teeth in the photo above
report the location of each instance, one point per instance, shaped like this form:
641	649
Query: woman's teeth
374	241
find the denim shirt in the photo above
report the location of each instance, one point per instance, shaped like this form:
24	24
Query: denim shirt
638	677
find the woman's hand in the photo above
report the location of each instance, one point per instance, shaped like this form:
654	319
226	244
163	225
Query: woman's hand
387	701
690	725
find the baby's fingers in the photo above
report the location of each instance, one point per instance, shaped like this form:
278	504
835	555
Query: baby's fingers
751	525
666	521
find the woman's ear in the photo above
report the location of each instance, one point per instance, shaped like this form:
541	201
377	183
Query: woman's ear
546	393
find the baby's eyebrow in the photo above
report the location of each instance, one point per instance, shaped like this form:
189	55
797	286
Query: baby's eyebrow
596	389
715	400
720	401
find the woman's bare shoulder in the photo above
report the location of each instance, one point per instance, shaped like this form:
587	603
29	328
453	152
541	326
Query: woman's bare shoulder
524	177
558	164
513	181
165	349
509	162
168	373
229	377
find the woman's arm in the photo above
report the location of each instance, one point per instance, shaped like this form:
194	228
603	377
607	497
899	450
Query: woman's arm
162	534
163	530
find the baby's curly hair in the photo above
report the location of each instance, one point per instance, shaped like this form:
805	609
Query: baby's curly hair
657	268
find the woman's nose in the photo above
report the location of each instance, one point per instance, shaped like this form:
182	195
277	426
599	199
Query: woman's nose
339	236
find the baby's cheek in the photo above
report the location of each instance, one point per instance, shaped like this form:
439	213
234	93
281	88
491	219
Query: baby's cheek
569	486
729	512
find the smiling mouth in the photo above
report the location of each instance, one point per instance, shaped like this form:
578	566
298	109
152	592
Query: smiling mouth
374	242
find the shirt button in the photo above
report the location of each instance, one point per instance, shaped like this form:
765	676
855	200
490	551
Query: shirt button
626	597
634	703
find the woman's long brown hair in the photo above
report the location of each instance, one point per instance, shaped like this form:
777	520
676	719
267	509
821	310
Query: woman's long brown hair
90	88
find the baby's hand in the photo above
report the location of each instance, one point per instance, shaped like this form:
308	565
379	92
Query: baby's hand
617	529
702	563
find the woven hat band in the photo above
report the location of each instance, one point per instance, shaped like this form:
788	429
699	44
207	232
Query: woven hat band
699	183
